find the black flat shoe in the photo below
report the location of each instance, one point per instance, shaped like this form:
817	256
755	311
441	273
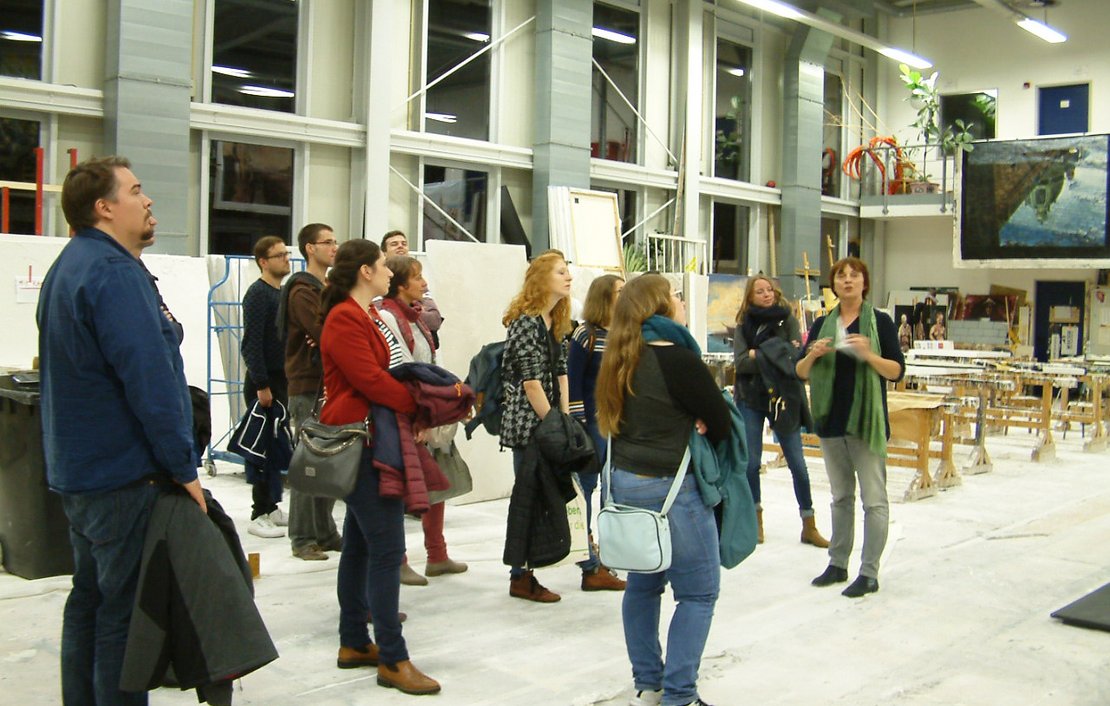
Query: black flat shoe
861	587
833	574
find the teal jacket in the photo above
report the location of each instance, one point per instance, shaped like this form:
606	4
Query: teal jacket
721	473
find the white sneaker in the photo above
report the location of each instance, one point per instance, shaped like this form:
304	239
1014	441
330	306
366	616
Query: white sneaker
279	518
647	698
263	526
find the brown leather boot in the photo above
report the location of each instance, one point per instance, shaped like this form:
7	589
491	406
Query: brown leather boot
759	522
810	535
602	579
528	588
405	677
352	657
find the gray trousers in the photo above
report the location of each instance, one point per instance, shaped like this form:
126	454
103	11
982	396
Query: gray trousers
846	459
310	520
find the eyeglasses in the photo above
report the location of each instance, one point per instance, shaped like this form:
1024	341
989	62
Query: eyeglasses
282	255
679	296
330	242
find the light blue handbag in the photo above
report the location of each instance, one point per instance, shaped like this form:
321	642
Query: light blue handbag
633	538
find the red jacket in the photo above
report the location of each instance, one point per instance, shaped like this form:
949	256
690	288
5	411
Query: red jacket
356	367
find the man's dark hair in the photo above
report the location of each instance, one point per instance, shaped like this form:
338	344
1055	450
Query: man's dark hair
262	248
308	235
393	234
87	183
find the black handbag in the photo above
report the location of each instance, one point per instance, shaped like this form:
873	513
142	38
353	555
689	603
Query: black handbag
327	458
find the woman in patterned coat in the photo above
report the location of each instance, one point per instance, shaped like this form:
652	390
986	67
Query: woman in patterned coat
534	374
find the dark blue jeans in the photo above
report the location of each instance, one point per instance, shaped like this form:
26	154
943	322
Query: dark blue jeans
791	448
369	578
107	531
589	482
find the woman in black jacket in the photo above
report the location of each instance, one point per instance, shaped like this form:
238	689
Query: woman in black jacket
767	343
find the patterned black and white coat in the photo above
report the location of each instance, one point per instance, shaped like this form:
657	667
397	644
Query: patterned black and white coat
528	356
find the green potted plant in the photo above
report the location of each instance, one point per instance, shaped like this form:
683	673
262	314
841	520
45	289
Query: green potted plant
924	96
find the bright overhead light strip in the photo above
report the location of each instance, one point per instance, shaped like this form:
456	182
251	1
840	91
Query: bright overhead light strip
13	36
265	92
808	18
230	71
613	36
1042	30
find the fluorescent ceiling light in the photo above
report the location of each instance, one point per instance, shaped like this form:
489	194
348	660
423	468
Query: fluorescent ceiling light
809	19
477	36
612	36
13	36
1042	30
737	71
905	57
442	117
230	71
776	8
265	92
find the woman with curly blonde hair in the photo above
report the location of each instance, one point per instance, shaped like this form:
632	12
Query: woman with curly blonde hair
534	374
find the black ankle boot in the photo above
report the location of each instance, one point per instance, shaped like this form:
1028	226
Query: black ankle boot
833	574
861	587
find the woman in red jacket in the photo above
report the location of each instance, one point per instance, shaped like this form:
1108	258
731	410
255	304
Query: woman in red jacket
357	350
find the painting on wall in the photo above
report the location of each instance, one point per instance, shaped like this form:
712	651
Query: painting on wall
992	307
1032	203
725	294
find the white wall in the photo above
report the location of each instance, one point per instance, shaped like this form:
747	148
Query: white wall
980	49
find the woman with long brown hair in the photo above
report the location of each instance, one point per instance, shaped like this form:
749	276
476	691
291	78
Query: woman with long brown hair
585	350
534	374
357	350
652	392
766	346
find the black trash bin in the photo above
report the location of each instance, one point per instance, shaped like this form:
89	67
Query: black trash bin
34	530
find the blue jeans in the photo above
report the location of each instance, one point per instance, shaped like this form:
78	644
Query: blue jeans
107	531
369	578
695	578
589	482
791	445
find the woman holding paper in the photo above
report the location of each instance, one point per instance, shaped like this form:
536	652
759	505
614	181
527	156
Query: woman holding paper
852	353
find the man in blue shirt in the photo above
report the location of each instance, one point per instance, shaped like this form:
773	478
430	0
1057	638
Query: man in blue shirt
116	415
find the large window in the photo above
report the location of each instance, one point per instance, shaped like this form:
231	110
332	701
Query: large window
461	193
21	39
730	238
733	109
976	110
460	104
18	140
613	126
254	53
833	140
250	195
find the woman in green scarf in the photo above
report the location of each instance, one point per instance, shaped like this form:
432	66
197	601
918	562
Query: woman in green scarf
848	395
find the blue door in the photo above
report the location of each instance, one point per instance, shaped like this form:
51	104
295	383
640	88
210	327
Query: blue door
1063	109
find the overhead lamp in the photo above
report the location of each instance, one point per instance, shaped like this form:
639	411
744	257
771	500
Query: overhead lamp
264	92
613	36
1042	30
13	36
809	19
442	117
735	71
231	71
477	36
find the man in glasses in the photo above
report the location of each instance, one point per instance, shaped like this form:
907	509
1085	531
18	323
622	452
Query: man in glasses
264	355
312	530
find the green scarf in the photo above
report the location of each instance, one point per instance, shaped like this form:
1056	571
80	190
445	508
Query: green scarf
866	420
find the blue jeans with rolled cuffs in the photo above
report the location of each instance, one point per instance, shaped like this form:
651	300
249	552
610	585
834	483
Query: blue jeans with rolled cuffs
791	445
369	579
695	578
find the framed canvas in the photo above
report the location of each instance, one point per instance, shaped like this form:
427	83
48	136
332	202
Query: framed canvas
1034	203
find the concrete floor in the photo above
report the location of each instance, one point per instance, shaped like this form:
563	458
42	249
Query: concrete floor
967	584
